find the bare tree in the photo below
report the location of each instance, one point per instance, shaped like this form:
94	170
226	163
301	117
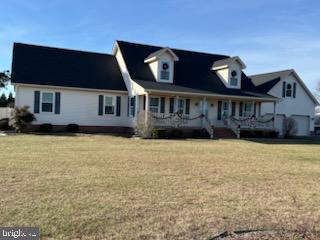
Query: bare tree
4	78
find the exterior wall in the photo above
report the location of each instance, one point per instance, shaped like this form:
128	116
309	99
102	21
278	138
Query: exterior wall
302	105
225	74
79	107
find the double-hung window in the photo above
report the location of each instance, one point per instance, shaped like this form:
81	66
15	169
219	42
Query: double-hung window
181	103
154	105
247	109
47	102
108	105
132	107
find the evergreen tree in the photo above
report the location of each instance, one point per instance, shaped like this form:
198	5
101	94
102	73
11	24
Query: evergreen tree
3	100
10	100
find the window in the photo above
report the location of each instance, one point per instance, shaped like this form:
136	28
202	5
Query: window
154	105
165	73
234	78
132	107
247	109
47	102
289	90
180	106
108	105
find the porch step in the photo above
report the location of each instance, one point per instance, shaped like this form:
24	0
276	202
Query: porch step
224	133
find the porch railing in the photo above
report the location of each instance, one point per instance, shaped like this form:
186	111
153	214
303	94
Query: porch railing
176	120
252	122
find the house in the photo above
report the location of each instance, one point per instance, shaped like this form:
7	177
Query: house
169	87
297	102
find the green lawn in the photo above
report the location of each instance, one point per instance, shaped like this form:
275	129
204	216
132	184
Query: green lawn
101	187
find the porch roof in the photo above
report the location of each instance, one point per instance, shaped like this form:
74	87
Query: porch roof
178	89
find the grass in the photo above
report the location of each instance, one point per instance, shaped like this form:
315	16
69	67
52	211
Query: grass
101	187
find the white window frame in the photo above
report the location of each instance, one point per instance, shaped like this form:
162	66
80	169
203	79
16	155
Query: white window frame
183	106
113	105
237	77
291	90
168	71
155	107
131	107
53	101
247	113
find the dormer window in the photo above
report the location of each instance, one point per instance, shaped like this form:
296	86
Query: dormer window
234	78
165	72
229	71
162	63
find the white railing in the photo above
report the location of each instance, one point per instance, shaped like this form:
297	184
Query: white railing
175	120
5	112
252	123
207	125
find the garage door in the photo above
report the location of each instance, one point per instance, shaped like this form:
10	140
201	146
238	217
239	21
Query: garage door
303	125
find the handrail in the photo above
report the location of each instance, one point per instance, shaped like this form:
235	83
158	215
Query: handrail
208	126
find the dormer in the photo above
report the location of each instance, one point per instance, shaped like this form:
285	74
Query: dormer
161	64
229	71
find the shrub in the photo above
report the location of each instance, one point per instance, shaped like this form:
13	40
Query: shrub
176	133
144	129
21	117
45	128
72	127
290	127
4	124
159	133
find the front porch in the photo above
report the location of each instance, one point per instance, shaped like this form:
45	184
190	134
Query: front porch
203	112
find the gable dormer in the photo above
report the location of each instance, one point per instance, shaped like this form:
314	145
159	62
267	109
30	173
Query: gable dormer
161	64
229	71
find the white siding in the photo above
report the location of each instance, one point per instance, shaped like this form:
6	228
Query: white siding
77	106
301	105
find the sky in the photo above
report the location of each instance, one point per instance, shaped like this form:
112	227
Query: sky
268	35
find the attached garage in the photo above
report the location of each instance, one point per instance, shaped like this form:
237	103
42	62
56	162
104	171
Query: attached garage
303	125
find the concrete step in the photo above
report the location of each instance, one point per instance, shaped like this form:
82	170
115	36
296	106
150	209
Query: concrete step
224	133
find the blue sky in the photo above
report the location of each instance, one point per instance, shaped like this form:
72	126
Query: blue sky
268	35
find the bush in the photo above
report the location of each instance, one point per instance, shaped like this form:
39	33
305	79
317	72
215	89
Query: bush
290	127
21	117
144	129
159	133
45	128
72	127
176	133
4	124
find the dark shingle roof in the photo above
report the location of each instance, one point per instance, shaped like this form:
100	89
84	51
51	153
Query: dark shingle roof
69	68
265	77
192	71
265	87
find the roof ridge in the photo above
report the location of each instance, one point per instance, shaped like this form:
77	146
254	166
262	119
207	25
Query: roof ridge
61	49
179	49
280	71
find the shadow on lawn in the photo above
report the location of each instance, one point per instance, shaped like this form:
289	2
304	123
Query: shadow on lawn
292	141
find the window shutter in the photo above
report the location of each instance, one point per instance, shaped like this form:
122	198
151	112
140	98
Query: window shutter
254	109
144	102
187	106
283	89
219	110
118	107
233	108
57	103
100	107
162	104
294	89
36	102
241	109
134	106
171	110
128	107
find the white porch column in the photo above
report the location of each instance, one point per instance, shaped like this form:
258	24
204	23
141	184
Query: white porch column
177	104
146	110
252	109
274	114
137	107
229	108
